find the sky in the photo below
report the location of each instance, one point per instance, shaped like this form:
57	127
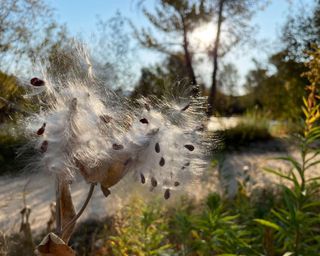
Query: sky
80	17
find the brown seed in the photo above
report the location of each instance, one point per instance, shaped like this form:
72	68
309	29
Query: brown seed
189	147
143	179
167	194
144	121
185	108
41	130
162	161
44	146
157	147
105	118
117	147
154	182
176	183
106	192
36	82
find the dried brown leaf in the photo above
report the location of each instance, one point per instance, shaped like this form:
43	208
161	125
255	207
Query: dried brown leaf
52	245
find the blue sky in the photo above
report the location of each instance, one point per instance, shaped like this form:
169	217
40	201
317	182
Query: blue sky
80	16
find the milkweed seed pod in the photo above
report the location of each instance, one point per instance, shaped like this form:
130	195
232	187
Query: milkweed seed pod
84	128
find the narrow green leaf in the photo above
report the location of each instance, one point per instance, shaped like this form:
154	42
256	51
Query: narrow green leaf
288	254
268	224
312	164
313	179
278	173
291	160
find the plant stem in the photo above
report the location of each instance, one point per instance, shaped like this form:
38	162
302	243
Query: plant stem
58	206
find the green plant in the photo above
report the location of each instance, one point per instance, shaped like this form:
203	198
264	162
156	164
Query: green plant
141	230
296	223
252	128
214	228
220	232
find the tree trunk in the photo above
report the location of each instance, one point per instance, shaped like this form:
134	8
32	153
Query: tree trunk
187	54
213	90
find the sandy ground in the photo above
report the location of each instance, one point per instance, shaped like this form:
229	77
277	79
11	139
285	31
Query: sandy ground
243	166
222	123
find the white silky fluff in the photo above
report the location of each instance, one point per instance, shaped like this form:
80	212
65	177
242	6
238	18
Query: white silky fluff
156	140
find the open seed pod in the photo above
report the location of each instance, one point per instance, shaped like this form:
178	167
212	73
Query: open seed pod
52	245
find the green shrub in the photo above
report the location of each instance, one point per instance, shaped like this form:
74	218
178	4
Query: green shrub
251	128
141	229
296	223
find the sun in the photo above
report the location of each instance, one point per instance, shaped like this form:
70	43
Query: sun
202	37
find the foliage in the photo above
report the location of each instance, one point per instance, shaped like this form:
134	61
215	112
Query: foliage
215	231
12	102
296	223
175	20
278	95
140	231
301	31
12	106
251	128
10	142
161	78
215	226
27	30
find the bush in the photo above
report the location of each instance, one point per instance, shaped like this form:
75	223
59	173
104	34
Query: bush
252	128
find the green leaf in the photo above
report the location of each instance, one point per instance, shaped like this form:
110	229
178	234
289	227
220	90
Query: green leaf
305	101
291	160
312	164
278	173
290	199
294	179
281	216
314	179
312	204
268	224
288	254
305	111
